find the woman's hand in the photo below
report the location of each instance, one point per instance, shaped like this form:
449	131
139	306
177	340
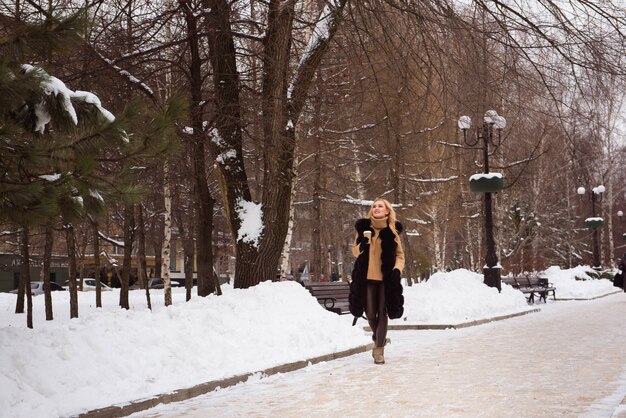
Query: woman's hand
364	244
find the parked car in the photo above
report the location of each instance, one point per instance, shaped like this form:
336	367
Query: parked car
157	283
36	288
89	285
288	276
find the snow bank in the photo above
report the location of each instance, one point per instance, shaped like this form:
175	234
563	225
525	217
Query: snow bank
576	283
110	355
457	297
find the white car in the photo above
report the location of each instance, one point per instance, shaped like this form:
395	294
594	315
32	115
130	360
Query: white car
89	285
36	288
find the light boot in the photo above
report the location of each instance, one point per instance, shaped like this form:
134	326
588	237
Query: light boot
379	355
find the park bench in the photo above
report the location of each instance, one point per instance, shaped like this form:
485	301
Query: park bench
331	295
531	285
540	285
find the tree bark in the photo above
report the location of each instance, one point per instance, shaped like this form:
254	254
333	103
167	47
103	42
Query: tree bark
167	236
282	105
185	232
96	264
45	270
71	267
205	202
142	273
316	242
129	235
26	277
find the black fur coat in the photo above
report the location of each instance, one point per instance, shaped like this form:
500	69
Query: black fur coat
391	281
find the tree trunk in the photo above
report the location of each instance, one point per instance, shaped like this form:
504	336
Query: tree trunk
316	241
280	115
25	276
129	235
71	267
284	265
96	264
167	236
142	273
185	232
45	270
204	200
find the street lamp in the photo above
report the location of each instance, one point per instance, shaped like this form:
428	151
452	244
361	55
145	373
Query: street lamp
621	217
487	183
594	222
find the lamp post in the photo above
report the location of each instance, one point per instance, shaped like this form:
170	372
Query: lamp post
594	222
621	217
487	183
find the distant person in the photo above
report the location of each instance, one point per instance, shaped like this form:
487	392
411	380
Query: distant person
618	280
376	287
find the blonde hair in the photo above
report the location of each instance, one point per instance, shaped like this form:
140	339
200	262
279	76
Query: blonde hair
391	220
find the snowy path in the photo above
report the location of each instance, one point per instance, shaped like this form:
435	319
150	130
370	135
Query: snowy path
569	360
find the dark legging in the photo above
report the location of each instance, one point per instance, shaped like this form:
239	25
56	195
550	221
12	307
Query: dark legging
376	311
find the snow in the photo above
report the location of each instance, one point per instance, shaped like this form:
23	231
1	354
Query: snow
96	195
91	98
50	177
216	138
231	154
576	283
479	176
594	219
457	297
112	356
251	217
53	86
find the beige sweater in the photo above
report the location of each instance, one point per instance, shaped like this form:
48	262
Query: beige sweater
374	268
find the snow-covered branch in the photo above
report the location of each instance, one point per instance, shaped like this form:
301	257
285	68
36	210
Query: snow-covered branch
110	240
128	76
324	30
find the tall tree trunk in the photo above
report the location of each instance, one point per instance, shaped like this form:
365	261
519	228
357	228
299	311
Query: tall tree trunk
21	288
284	265
45	270
129	235
204	222
96	264
167	236
185	232
25	276
205	202
316	243
71	267
281	108
142	272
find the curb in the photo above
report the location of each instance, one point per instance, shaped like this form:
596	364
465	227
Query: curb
596	297
455	326
131	407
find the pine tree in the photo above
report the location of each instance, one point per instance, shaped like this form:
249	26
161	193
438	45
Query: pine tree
61	152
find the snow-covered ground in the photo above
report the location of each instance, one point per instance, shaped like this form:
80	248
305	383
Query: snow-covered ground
110	356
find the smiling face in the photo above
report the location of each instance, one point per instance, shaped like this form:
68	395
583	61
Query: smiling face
379	210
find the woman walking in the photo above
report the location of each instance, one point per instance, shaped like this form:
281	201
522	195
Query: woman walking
376	288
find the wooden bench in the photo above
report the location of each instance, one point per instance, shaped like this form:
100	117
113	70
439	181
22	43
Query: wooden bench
531	285
539	285
331	295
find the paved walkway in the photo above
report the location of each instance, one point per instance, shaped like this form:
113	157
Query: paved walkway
569	360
